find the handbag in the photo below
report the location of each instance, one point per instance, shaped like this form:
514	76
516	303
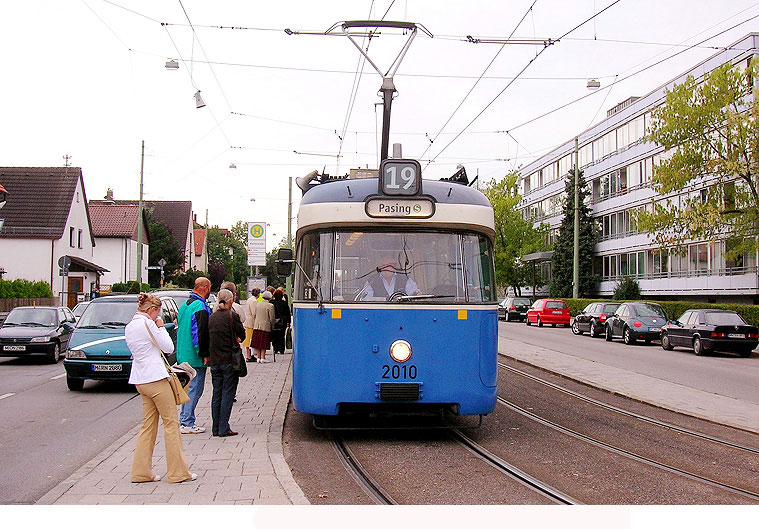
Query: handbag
289	338
238	360
180	394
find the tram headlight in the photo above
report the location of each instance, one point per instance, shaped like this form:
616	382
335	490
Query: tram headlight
400	351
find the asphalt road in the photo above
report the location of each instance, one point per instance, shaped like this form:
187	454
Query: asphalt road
49	432
722	374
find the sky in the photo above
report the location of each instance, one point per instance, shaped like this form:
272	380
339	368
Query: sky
87	79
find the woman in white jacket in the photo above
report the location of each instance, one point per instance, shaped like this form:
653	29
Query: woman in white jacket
144	335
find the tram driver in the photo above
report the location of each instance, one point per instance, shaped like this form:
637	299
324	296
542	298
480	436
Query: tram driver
386	281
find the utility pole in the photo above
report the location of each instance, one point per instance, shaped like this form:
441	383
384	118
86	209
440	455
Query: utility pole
139	219
289	280
576	255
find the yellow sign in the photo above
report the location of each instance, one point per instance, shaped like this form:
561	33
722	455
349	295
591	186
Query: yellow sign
256	230
462	314
337	314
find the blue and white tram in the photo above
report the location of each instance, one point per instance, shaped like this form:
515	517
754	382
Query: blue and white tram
394	298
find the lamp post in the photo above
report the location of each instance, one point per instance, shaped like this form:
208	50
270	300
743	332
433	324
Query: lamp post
576	252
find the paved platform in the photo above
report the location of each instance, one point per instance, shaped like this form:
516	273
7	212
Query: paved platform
248	469
662	393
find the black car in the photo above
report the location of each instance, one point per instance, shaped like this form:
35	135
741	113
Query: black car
513	308
38	331
593	318
705	330
637	320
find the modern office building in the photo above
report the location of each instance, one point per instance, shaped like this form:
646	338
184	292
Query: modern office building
617	165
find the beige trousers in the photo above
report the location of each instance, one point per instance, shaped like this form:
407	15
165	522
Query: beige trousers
158	400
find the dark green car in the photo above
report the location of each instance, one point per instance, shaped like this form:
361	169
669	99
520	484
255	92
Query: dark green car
97	348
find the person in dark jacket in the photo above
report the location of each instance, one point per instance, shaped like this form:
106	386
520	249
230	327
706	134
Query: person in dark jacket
225	333
282	321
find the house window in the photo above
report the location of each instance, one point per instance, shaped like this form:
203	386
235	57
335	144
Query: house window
71	236
79	245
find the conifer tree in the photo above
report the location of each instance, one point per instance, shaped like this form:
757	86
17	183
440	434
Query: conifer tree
563	250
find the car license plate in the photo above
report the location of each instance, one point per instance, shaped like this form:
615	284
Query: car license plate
654	329
106	367
14	348
736	335
556	312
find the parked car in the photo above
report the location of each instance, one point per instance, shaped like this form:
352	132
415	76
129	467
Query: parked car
97	349
706	330
178	295
78	310
513	308
36	331
593	318
637	320
553	311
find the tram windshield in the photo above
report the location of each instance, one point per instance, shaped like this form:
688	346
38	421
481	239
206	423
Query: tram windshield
403	266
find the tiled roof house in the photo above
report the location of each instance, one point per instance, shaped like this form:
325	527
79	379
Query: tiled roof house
201	249
176	214
115	228
46	218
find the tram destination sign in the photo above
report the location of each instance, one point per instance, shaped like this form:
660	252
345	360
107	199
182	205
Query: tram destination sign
400	177
417	208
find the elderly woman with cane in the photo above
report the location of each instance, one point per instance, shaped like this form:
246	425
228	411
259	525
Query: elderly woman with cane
146	339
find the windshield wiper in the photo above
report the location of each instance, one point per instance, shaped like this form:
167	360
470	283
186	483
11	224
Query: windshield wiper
117	323
34	324
10	323
423	296
89	327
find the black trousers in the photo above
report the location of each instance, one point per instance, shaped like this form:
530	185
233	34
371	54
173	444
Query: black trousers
278	340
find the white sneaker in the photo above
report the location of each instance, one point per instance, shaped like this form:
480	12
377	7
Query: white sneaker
191	429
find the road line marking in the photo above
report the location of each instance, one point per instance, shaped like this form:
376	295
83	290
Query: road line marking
58	376
6	395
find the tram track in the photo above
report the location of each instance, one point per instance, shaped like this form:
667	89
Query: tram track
354	468
512	471
628	413
657	463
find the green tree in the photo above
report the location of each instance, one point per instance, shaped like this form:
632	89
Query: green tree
226	249
710	130
562	261
514	236
162	246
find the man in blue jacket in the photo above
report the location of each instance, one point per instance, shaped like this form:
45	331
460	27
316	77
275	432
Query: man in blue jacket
192	347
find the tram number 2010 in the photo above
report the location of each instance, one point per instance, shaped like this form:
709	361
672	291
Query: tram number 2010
398	372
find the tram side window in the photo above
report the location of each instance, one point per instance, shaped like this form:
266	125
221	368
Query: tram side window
480	280
314	258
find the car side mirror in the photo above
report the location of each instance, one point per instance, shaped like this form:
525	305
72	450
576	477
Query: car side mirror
284	261
67	326
169	326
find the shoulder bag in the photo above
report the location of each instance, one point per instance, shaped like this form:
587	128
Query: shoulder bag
180	394
238	360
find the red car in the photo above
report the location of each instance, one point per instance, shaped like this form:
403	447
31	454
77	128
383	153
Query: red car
551	311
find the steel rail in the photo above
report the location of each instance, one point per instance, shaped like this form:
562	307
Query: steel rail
627	453
629	413
370	487
524	478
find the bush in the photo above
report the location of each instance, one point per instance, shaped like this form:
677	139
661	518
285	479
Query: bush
627	288
130	287
675	309
21	288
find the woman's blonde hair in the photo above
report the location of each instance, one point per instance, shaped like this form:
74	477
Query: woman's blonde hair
145	301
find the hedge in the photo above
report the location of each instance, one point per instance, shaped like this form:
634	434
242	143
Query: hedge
131	287
21	288
675	309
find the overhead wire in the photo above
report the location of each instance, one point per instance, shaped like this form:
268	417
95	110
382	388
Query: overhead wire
432	141
539	53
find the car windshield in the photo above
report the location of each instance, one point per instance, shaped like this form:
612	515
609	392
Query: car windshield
653	311
521	301
109	314
556	305
79	309
32	316
724	318
609	308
